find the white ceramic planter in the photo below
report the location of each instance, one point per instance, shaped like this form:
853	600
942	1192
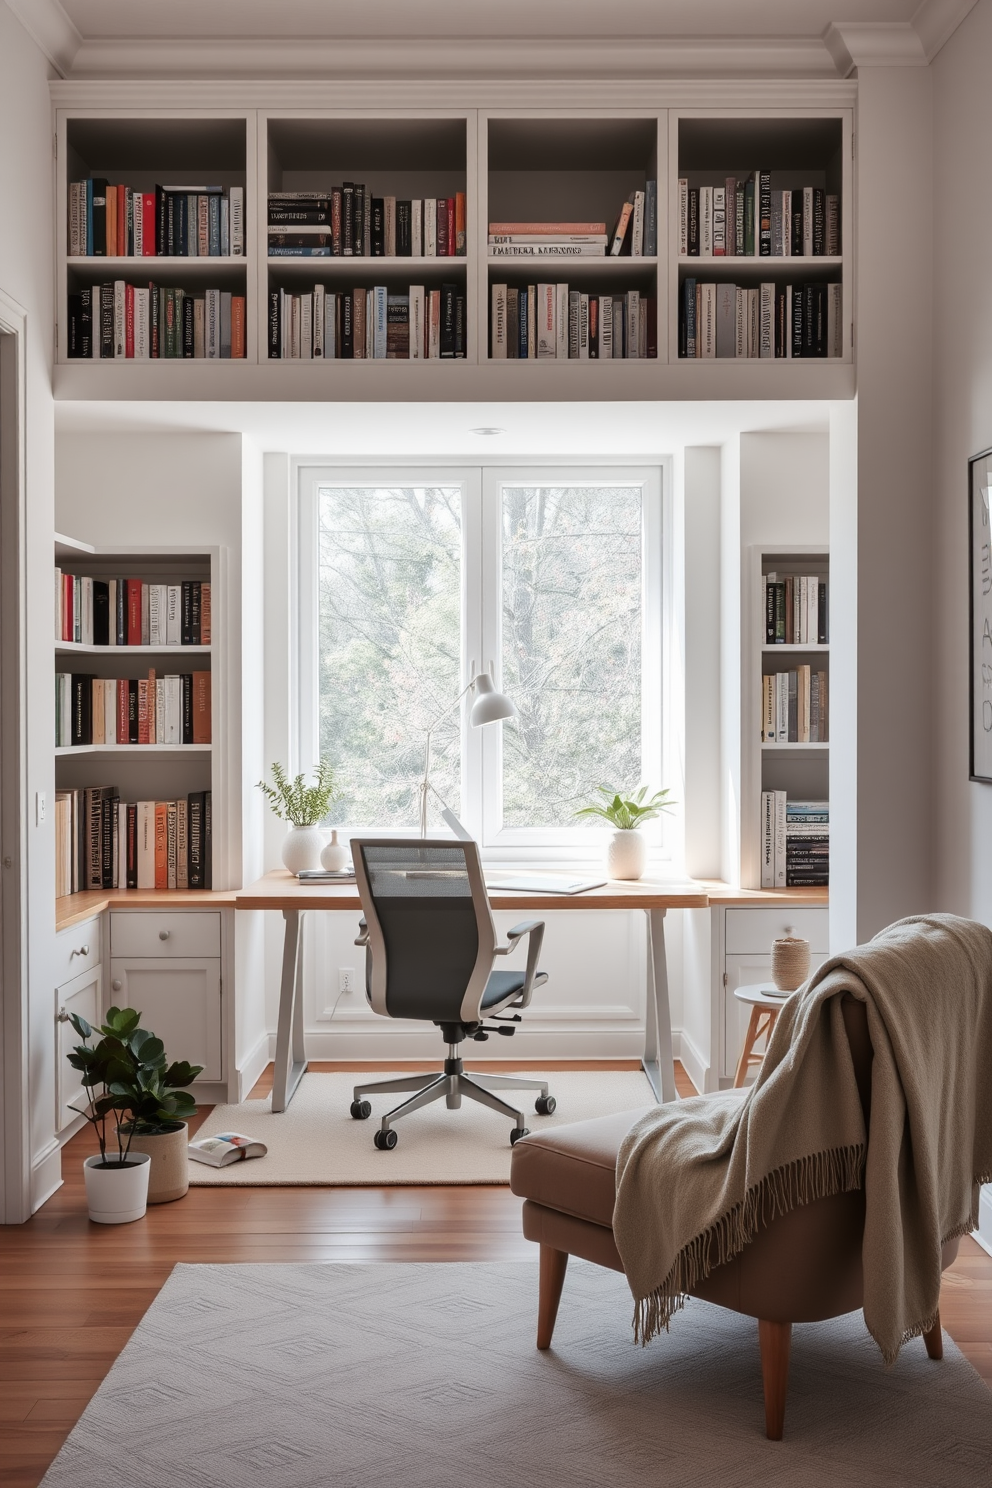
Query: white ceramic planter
117	1194
627	856
302	848
335	855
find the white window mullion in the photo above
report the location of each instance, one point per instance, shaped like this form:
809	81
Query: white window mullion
473	645
491	782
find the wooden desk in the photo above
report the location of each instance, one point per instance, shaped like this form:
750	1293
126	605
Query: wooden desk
281	891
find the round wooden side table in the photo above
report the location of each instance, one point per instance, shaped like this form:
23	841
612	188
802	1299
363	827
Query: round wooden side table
765	1002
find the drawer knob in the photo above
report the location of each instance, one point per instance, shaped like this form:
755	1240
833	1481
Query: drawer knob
163	934
82	951
116	984
63	1015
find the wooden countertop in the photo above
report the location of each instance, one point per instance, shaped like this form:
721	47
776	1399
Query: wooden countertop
723	894
75	908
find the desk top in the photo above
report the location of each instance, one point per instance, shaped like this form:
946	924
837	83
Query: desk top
75	908
280	890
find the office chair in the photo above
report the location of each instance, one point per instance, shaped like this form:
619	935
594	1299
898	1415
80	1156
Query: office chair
430	948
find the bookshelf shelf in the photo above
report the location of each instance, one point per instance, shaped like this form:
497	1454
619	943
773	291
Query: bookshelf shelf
115	749
156	266
783	649
794	748
79	648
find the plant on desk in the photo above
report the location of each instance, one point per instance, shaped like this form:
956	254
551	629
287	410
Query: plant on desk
127	1077
627	855
304	807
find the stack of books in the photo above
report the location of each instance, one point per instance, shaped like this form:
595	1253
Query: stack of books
547	240
108	221
760	321
554	320
795	609
147	321
131	710
367	323
104	843
745	218
795	707
129	612
349	222
795	842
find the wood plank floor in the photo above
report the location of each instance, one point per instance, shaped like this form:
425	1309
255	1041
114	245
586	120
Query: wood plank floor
72	1292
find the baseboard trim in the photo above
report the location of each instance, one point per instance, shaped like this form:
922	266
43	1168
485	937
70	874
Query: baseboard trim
695	1066
253	1066
46	1175
983	1234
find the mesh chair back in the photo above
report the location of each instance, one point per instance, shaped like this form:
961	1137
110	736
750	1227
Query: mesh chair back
431	930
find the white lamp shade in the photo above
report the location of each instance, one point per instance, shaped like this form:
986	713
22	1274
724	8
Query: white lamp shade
489	705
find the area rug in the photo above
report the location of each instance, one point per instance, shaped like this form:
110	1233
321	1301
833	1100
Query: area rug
316	1141
426	1376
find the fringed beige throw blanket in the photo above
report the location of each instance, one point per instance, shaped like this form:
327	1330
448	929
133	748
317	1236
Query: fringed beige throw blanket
697	1178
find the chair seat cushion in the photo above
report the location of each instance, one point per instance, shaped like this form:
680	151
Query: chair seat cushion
573	1168
504	984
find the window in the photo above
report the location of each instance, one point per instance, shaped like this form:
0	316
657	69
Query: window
549	579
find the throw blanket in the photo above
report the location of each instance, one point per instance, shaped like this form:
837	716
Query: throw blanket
696	1179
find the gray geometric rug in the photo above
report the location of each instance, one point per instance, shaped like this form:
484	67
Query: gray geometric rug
426	1376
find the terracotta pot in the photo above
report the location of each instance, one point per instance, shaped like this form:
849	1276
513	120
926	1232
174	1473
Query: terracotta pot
627	856
169	1168
117	1193
302	848
790	962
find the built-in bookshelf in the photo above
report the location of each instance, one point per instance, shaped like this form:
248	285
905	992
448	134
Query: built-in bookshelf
136	724
571	164
786	717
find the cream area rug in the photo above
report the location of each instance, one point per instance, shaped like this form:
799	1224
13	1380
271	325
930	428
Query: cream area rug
316	1141
426	1376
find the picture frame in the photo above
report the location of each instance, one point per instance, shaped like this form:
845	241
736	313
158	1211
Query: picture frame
980	618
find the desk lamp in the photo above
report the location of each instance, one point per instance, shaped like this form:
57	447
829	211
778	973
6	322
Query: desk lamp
489	706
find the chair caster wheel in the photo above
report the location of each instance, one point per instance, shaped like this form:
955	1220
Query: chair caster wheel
545	1105
517	1133
385	1140
361	1110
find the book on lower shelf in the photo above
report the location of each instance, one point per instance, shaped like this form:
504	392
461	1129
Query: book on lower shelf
795	842
170	710
102	842
545	321
795	707
762	322
149	322
368	323
130	612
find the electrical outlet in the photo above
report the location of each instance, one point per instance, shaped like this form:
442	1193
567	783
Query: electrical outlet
346	979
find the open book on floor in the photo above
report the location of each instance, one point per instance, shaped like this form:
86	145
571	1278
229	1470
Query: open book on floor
225	1148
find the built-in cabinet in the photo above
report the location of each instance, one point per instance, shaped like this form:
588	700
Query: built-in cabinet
79	969
169	966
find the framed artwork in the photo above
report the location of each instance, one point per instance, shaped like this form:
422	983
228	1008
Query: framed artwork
980	607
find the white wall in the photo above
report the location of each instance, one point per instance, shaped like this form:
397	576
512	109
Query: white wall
702	661
27	277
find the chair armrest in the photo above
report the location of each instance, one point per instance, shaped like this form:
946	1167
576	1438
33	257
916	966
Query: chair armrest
363	932
534	930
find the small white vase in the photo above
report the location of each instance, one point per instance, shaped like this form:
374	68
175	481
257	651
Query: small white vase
302	847
118	1193
627	856
334	858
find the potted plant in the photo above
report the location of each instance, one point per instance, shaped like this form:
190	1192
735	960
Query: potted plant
627	855
128	1081
303	806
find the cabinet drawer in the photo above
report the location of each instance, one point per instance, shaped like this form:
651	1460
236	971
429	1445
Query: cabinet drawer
77	950
751	931
154	933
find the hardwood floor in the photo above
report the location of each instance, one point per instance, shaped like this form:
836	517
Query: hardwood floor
72	1292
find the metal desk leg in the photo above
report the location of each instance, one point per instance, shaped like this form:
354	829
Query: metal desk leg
291	1062
658	1062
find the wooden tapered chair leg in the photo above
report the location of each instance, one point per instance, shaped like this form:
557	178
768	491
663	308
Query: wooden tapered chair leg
552	1279
775	1340
934	1340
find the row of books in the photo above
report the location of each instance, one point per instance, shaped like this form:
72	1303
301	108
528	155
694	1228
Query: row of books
108	221
121	320
764	321
795	707
795	842
130	612
635	234
794	607
554	320
102	842
367	323
348	221
745	218
173	709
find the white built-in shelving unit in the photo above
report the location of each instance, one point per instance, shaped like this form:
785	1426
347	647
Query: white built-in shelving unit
518	153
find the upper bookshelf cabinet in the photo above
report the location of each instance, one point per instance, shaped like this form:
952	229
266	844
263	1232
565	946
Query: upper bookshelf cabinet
759	238
572	172
365	226
154	242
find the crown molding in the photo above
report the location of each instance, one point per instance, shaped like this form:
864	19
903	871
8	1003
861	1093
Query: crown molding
867	44
936	21
51	31
453	58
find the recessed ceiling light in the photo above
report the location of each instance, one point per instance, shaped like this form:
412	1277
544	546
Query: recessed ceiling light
487	431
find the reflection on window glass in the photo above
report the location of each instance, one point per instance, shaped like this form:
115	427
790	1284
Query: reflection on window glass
571	647
389	576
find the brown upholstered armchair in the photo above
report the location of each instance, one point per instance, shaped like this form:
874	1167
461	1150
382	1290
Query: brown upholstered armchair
804	1266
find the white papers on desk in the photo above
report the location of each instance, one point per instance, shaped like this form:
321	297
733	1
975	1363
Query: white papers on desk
547	883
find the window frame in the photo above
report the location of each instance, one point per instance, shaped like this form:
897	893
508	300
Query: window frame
481	640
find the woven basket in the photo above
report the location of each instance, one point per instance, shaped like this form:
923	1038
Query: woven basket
790	962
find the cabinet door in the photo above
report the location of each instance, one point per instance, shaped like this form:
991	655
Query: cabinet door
179	1000
82	996
745	971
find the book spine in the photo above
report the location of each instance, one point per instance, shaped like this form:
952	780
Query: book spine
780	863
764	214
195	867
237	221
